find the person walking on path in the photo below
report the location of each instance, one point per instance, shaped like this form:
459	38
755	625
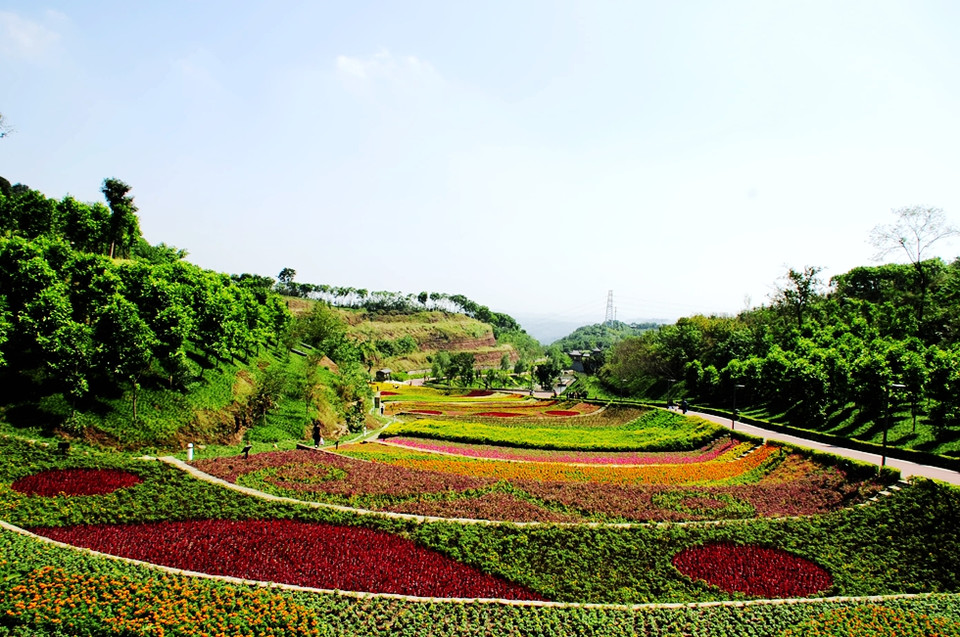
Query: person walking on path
316	433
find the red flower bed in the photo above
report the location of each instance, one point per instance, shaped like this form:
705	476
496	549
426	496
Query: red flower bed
477	393
426	412
309	471
560	412
753	570
292	552
75	482
497	414
389	393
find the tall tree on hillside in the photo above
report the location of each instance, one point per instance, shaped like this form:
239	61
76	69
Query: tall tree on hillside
285	280
915	230
124	224
798	292
126	343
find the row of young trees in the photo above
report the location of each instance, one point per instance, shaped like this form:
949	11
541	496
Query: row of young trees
506	330
77	320
393	302
819	349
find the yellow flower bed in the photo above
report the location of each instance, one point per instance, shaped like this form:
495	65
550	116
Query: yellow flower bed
710	472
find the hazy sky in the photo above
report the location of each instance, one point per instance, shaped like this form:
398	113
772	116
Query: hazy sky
530	155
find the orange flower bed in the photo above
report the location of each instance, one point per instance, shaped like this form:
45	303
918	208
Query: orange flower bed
713	471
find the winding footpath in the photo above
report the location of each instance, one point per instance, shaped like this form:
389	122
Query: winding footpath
906	467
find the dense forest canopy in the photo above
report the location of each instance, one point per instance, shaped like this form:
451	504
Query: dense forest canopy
873	335
87	305
89	309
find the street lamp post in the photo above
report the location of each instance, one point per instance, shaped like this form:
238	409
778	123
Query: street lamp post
733	419
886	427
672	381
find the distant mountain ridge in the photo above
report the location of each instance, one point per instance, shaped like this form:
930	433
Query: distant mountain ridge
548	330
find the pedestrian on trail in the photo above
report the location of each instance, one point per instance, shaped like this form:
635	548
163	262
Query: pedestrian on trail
684	406
316	433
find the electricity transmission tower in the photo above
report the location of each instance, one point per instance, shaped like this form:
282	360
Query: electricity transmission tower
610	316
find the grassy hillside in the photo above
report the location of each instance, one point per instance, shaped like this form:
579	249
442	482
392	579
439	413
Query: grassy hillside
406	341
220	407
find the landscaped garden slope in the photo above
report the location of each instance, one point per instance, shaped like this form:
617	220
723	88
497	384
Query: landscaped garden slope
48	589
902	543
513	420
656	430
737	465
709	451
448	486
723	479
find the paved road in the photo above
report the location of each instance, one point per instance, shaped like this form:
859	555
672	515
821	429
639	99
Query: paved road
906	467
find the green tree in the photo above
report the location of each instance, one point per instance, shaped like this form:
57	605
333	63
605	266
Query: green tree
85	226
441	365
462	367
800	289
27	212
124	228
915	231
943	387
125	343
322	329
547	373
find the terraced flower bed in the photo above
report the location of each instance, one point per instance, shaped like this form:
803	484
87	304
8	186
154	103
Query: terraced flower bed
293	552
757	571
479	403
876	621
495	452
729	466
74	482
651	431
399	392
792	486
55	591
